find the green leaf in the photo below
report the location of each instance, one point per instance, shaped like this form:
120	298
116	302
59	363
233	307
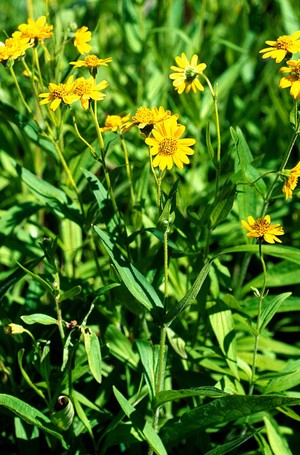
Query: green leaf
146	353
92	348
31	415
64	413
229	446
220	317
39	318
26	376
82	415
277	441
141	426
120	346
177	343
270	309
15	215
284	252
173	395
290	379
190	297
223	204
68	295
222	411
44	283
135	282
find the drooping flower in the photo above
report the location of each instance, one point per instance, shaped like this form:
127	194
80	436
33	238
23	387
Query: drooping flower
14	329
114	123
87	89
285	44
186	74
37	30
13	48
291	181
145	118
81	38
92	63
59	93
262	228
167	146
293	79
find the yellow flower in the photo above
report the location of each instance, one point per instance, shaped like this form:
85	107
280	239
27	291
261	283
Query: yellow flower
114	123
36	30
58	93
293	79
262	228
285	44
291	181
14	329
146	118
167	147
186	74
81	38
13	48
91	61
86	89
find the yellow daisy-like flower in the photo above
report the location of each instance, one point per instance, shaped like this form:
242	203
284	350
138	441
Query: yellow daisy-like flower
291	181
14	329
168	147
36	30
13	48
285	44
114	123
146	118
87	89
293	79
91	61
81	38
186	74
262	228
59	93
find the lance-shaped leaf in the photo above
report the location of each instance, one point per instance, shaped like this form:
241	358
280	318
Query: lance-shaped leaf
92	348
64	414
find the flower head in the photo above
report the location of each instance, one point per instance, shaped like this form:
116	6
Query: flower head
92	62
262	228
285	44
167	146
115	123
14	329
58	93
81	38
36	30
87	89
293	79
291	181
13	48
146	118
186	74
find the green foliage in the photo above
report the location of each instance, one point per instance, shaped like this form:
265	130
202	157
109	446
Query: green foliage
136	315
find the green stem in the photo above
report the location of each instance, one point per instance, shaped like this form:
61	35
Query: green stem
58	308
19	89
128	171
93	152
258	329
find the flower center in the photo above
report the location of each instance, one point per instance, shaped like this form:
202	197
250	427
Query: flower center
168	146
91	60
82	88
297	70
60	91
144	115
261	226
284	42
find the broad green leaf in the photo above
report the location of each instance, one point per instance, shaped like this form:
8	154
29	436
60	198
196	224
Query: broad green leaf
92	348
221	411
14	216
146	353
288	381
43	282
172	395
177	343
190	297
64	413
21	429
284	252
277	441
141	426
135	282
120	346
220	317
229	446
270	309
31	415
223	204
82	415
39	318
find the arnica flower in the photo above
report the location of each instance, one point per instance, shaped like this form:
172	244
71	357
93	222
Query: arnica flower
262	228
168	147
37	30
285	44
114	123
14	329
146	118
59	93
87	89
92	63
13	48
291	181
293	79
186	74
81	38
